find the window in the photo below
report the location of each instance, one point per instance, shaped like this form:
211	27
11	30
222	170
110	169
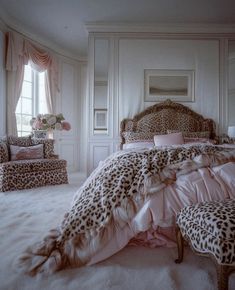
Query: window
32	100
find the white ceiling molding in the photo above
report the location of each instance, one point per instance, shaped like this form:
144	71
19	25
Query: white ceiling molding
3	26
8	23
159	28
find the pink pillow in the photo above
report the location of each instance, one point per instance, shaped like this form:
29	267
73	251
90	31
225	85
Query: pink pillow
169	139
24	153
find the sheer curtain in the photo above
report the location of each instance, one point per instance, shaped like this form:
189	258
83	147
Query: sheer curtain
21	51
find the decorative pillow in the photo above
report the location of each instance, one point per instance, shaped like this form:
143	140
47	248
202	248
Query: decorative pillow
19	141
198	140
138	145
48	146
200	134
169	139
133	137
25	153
4	156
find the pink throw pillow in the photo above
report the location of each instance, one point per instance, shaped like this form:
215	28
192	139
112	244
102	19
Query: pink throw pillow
169	139
24	153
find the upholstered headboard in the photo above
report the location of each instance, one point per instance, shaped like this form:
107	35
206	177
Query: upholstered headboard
165	116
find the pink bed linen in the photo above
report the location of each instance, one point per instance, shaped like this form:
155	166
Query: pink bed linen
154	224
133	194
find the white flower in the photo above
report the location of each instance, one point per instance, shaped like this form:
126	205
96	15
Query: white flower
51	121
58	126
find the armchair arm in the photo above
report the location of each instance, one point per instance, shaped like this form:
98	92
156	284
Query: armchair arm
48	146
53	156
4	154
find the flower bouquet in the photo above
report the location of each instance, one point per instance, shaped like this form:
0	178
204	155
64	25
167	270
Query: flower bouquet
49	122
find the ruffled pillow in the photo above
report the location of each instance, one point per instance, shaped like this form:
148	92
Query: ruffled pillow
169	139
26	153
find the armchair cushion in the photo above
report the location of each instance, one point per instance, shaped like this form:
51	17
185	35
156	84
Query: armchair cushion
36	165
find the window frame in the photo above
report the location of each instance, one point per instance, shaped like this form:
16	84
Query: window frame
35	100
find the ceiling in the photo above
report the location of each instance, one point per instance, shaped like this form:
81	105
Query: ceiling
60	23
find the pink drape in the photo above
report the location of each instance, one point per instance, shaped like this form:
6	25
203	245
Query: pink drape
21	51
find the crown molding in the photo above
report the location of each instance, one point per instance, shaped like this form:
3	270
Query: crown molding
112	27
8	23
3	26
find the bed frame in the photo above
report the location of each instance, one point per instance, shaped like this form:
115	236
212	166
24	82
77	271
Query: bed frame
167	115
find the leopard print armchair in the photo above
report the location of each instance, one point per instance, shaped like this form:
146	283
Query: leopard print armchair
27	173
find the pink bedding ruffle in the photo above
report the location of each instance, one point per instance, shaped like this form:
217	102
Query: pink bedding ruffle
154	224
149	214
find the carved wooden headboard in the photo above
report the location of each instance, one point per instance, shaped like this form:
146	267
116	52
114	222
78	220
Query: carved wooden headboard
165	116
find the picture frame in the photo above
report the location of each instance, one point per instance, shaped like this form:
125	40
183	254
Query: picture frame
100	119
160	85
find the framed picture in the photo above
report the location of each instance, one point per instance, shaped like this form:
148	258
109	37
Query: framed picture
100	119
177	85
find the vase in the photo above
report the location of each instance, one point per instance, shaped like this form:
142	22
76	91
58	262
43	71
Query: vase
40	134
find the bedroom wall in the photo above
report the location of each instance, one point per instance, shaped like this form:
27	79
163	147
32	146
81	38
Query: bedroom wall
69	102
202	56
231	83
2	88
131	52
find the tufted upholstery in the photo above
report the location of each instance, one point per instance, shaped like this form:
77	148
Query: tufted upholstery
165	116
26	174
210	229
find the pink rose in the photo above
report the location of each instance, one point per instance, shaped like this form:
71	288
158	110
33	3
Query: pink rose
65	125
37	124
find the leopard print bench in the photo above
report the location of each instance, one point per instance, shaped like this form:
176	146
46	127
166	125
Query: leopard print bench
209	227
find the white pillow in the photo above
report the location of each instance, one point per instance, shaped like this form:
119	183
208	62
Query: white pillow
169	139
138	145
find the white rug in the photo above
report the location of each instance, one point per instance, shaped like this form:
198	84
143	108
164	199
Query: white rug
25	218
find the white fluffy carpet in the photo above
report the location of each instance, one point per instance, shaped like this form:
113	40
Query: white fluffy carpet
25	218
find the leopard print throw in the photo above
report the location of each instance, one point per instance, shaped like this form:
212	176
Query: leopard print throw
110	197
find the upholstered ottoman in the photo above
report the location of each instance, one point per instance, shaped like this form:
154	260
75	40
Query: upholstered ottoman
26	174
209	228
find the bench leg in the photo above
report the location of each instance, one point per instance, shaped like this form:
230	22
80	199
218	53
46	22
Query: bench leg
222	277
180	245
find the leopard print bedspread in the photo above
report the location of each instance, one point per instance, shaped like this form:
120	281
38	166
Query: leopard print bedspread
112	195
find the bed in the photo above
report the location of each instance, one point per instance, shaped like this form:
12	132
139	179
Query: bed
134	195
167	116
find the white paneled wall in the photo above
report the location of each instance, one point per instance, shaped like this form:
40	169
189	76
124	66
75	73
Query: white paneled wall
231	84
69	101
131	53
2	88
202	56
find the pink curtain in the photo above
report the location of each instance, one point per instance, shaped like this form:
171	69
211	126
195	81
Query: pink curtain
20	51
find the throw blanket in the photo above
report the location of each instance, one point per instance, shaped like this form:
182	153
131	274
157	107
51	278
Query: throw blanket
111	197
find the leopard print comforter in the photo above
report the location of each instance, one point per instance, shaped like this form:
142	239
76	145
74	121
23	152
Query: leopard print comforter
111	197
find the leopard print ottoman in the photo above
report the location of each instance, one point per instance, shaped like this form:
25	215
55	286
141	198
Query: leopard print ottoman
209	227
